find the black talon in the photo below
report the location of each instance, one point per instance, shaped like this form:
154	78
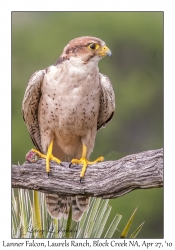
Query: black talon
70	164
48	174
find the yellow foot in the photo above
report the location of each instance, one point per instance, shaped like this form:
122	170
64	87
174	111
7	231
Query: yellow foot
49	156
85	163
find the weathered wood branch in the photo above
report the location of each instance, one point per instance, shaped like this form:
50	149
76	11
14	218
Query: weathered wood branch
108	179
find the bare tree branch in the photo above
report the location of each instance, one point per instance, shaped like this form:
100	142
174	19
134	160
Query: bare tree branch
108	179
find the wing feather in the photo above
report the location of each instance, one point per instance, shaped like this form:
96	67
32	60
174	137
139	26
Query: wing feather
30	107
107	102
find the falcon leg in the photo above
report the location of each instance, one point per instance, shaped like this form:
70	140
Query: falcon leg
49	156
84	161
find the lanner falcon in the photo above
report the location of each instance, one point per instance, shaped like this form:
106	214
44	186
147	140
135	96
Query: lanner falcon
63	107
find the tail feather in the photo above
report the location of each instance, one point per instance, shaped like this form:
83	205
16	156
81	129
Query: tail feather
82	202
58	206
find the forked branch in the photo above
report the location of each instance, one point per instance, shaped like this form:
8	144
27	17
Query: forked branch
108	179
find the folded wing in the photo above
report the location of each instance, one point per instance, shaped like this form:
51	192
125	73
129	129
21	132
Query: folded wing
107	102
30	107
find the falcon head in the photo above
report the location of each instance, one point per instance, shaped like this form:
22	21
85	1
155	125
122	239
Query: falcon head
85	49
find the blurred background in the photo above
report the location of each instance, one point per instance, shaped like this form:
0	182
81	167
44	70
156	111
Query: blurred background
136	71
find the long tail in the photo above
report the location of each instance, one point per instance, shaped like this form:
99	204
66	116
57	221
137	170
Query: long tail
58	205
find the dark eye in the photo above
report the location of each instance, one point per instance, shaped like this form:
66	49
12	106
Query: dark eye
92	46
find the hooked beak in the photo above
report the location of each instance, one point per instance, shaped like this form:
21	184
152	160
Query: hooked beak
105	51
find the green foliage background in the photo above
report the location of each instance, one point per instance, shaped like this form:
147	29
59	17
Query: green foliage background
136	71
